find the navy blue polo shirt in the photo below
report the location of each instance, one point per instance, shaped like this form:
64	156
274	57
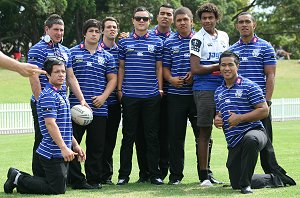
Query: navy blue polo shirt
114	50
176	56
161	35
41	51
53	104
240	99
140	54
90	71
254	56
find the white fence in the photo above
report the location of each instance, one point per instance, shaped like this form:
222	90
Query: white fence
17	118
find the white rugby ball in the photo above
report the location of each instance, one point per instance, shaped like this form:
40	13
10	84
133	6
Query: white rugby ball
81	115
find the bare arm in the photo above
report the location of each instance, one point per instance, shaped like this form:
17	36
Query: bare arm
98	101
35	86
74	86
55	134
121	73
260	112
270	71
196	68
25	69
174	81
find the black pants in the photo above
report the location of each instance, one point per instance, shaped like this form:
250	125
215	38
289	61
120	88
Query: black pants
180	108
134	110
267	154
95	140
140	144
242	160
37	169
112	127
54	182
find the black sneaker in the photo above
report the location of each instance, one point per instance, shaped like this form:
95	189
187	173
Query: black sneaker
213	180
142	180
286	180
107	182
157	181
174	182
9	184
122	182
85	186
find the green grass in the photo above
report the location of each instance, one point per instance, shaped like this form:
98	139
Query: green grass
15	150
16	89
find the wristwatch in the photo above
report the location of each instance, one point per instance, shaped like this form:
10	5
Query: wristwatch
269	102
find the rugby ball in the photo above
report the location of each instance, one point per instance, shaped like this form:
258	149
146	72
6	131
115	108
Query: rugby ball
81	115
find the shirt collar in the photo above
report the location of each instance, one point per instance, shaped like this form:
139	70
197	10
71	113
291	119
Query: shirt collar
253	40
157	32
82	46
136	37
189	36
48	85
238	82
102	44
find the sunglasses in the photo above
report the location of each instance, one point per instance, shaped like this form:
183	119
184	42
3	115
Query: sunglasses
138	18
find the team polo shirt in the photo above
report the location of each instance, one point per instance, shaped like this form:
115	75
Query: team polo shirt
114	50
176	56
208	49
90	71
40	52
240	99
161	35
254	56
54	104
140	54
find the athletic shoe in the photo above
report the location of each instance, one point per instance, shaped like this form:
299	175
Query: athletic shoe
174	182
11	176
142	180
206	183
157	181
213	180
122	182
107	182
246	190
86	186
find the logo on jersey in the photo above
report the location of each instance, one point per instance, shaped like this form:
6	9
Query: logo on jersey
140	54
175	50
255	52
195	45
150	48
130	48
239	93
101	60
186	55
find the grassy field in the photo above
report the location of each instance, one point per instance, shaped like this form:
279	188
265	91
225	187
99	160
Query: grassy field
16	89
15	150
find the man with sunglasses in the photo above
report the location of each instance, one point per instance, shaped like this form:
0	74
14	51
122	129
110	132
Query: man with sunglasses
163	31
49	46
140	91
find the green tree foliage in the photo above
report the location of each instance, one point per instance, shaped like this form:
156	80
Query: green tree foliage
278	20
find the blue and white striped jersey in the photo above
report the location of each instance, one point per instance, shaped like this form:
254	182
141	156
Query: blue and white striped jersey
254	56
140	55
112	99
176	56
53	104
41	51
240	99
90	71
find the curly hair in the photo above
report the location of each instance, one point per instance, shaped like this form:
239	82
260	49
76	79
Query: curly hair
209	7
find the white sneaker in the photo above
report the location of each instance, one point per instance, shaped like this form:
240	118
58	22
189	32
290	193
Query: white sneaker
206	183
